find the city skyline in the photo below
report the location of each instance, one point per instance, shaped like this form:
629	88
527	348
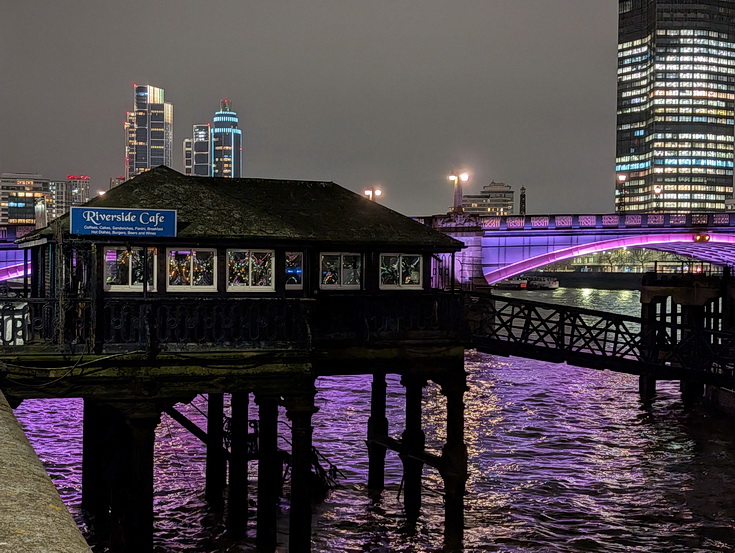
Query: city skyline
363	95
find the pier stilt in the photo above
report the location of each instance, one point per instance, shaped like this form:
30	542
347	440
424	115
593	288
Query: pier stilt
269	474
300	410
216	470
237	498
691	392
132	498
454	462
646	388
98	466
377	427
414	439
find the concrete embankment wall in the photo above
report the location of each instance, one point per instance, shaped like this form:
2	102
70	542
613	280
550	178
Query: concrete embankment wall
32	517
600	281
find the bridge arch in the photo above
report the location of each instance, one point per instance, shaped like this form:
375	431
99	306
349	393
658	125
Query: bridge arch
718	248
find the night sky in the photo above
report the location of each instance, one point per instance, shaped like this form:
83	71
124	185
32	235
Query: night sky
389	93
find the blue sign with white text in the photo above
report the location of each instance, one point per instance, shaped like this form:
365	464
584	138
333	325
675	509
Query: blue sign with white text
123	221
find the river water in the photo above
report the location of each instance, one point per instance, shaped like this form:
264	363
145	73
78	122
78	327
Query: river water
562	459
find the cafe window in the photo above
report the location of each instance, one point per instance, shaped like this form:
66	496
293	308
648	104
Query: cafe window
399	270
250	270
341	270
294	270
191	270
124	269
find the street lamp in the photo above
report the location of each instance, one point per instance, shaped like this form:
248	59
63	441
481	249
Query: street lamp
458	179
621	191
657	189
372	193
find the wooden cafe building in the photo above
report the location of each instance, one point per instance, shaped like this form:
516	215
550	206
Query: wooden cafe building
170	286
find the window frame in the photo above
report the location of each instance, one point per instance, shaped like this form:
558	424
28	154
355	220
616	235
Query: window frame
400	285
300	285
341	286
250	287
152	252
188	288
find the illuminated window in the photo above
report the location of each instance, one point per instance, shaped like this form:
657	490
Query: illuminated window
341	270
192	270
250	270
294	270
124	269
400	270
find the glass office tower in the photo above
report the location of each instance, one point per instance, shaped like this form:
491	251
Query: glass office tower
675	105
149	131
215	149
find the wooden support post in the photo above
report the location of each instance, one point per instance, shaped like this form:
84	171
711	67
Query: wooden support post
300	410
237	498
454	462
377	428
99	464
691	392
216	469
646	388
269	474
132	498
413	438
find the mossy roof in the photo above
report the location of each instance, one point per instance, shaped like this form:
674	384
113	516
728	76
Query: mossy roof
265	209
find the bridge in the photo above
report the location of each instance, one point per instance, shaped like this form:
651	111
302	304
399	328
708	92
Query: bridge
498	247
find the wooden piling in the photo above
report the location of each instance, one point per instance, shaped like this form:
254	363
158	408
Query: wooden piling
377	428
216	468
237	497
269	474
414	439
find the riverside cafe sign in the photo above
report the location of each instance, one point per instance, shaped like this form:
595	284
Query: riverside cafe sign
123	221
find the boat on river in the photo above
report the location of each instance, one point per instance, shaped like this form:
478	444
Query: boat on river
538	282
512	283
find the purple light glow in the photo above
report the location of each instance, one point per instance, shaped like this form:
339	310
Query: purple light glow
594	247
14	271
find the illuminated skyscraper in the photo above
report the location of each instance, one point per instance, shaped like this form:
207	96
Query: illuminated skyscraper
675	105
215	149
149	131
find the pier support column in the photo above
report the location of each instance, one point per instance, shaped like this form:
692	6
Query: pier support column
132	498
99	464
646	388
454	461
269	474
299	410
216	469
691	392
377	428
237	497
413	439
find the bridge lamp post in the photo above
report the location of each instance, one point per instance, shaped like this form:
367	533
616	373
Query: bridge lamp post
458	179
621	189
372	193
657	189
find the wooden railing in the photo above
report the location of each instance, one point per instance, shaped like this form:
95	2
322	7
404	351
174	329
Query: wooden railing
175	324
598	339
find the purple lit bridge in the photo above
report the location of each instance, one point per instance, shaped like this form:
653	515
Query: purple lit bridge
500	247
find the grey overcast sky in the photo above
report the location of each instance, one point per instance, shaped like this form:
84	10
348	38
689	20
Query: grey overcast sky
389	93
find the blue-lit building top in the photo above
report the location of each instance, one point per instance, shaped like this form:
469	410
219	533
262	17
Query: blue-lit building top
675	105
215	149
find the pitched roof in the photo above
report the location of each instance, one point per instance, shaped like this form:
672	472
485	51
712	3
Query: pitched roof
266	209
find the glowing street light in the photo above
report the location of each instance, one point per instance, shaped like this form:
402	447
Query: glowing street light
458	179
372	193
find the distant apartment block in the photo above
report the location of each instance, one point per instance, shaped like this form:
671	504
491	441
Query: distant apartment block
496	198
